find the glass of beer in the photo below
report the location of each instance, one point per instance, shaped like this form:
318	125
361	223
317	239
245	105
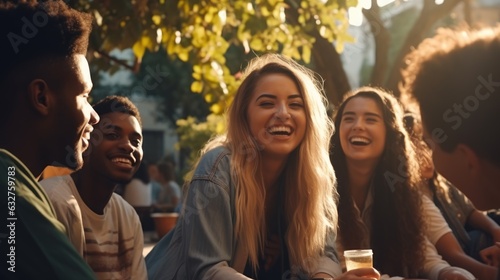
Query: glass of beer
358	259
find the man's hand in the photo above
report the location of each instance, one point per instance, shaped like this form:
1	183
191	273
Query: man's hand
491	255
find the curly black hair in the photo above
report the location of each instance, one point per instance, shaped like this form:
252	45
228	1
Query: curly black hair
116	103
454	77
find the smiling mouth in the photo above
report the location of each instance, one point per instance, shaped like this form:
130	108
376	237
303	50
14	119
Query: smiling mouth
360	141
280	130
122	161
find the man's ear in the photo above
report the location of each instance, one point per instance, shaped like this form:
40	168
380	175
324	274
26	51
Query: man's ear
471	159
39	96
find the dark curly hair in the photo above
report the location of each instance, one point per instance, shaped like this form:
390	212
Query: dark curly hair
33	35
397	236
454	76
116	103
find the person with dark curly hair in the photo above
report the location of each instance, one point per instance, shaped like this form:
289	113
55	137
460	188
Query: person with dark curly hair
455	79
380	206
45	119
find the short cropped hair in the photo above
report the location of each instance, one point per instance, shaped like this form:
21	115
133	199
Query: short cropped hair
33	36
115	103
30	30
455	78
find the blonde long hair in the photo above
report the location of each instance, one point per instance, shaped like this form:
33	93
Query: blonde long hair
310	192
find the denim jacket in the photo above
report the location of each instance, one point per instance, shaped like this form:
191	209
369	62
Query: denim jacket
203	244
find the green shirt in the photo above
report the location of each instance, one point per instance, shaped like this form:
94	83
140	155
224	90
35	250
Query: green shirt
32	242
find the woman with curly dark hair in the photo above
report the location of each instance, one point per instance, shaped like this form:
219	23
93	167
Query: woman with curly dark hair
380	206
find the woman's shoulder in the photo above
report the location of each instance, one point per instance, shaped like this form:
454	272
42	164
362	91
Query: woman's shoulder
216	158
217	152
214	166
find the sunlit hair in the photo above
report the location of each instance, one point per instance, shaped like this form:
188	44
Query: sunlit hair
397	237
454	77
413	126
309	192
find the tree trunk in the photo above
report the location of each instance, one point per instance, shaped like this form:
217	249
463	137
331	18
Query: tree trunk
326	61
382	43
430	14
329	66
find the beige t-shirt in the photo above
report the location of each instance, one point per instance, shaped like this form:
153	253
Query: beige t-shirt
111	243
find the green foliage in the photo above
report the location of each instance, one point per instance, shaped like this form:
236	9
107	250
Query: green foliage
194	134
208	42
203	33
168	81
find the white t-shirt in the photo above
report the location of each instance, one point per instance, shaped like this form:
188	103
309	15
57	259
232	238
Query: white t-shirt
137	193
111	243
436	224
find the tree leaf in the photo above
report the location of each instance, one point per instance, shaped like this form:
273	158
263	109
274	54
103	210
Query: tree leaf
139	50
197	86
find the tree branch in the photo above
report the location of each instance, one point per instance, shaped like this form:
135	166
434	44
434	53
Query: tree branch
326	61
329	66
134	68
382	40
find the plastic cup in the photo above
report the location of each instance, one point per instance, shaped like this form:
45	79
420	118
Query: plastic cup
358	259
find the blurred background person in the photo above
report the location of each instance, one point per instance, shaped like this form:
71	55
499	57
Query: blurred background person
153	174
137	192
170	193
